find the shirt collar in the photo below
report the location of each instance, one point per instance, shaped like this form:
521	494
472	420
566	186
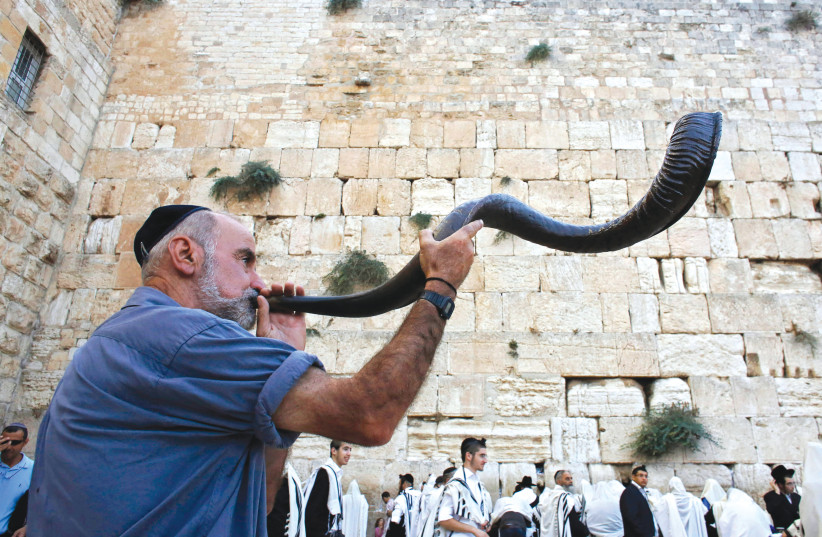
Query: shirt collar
149	296
637	485
333	465
469	474
24	463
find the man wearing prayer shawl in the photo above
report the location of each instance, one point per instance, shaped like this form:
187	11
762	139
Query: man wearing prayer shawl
741	517
691	509
323	493
407	510
810	511
666	514
602	514
514	516
355	507
287	518
560	510
711	494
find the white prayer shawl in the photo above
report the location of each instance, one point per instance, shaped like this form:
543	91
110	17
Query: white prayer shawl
426	496
810	508
666	514
335	494
407	510
555	506
469	509
355	507
691	509
741	517
295	521
428	519
520	503
602	514
713	491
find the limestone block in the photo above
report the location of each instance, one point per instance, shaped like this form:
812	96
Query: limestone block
426	133
732	200
656	136
684	355
574	440
754	136
327	235
755	239
736	442
488	311
672	275
763	354
220	133
730	137
165	138
411	162
249	133
510	135
381	234
744	313
609	274
325	162
793	239
122	135
532	397
799	397
353	163
38	387
323	196
614	435
460	396
558	312
560	199
746	166
785	278
486	134
106	197
476	163
804	167
754	396
512	473
394	132
508	441
460	133
602	472
711	396
546	135
425	403
145	135
359	197
574	166
561	273
352	233
631	164
432	196
289	198
666	392
293	134
768	200
783	440
722	169
334	133
804	200
801	360
774	166
693	476
271	237
589	135
443	163
382	163
610	397
503	273
644	311
165	164
695	275
752	479
815	128
790	136
689	238
609	199
139	195
527	163
470	189
684	314
76	272
296	162
627	134
481	355
722	238
603	164
648	274
103	234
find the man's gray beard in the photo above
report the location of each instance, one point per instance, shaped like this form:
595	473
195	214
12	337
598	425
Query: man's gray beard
241	310
570	489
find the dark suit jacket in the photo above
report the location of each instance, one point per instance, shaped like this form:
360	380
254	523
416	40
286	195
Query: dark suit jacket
636	513
782	512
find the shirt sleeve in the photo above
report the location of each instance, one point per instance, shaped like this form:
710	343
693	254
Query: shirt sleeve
446	507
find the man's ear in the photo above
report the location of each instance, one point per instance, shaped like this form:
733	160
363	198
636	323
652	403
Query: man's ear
185	255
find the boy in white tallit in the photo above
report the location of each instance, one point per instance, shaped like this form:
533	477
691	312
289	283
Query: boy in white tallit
323	493
465	509
406	515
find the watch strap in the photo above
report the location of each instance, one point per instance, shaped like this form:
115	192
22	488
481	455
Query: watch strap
444	304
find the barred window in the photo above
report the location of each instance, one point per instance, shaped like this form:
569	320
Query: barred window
26	67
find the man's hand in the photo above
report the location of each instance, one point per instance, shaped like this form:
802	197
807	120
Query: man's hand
287	326
450	258
20	533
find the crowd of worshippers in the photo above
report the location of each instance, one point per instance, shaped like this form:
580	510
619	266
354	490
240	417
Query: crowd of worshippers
456	504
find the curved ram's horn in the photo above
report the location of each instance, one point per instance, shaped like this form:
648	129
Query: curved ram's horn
678	184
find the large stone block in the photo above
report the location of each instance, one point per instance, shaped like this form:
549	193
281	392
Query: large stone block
685	314
589	135
752	479
561	273
774	165
353	163
614	436
546	135
476	163
711	396
755	239
636	355
768	200
631	164
334	133
744	313
512	473
323	196
689	238
574	166
763	354
510	441
426	133
293	134
443	163
527	163
510	135
783	440
644	312
560	199
666	392
425	403
574	440
754	396
531	397
460	133
393	197
327	235
325	162
804	200
611	397
754	135
722	169
482	354
503	273
432	196
799	397
289	198
555	312
615	312
382	163
790	136
359	197
609	199
486	134
381	234
627	134
460	396
470	189
609	274
732	199
746	166
722	238
735	442
793	238
603	164
685	355
805	167
412	162
693	476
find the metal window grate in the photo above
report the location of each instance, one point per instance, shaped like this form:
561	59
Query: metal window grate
25	69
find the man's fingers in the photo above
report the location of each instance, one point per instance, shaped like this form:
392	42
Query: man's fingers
472	228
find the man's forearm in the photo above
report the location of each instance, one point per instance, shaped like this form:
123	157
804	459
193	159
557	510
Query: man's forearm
274	464
457	526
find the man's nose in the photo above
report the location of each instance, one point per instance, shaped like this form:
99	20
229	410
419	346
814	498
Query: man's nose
257	282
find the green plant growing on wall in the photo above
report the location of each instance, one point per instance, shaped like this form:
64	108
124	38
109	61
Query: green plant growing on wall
513	349
501	236
212	171
667	428
357	269
538	53
340	6
505	181
254	180
420	220
802	20
312	332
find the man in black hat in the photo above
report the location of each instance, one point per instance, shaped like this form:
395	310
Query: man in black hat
782	502
159	422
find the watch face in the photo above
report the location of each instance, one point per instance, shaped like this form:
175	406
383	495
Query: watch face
448	309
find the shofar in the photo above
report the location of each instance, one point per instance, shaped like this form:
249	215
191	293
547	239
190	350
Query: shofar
677	186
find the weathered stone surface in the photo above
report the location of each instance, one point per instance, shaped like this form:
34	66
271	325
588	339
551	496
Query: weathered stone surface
768	200
325	162
486	134
763	354
527	163
534	396
382	163
511	441
615	312
685	355
353	163
334	133
774	165
556	312
381	234
512	473
722	238
589	135
744	313
614	435
754	135
560	199
609	274
712	396
603	164
443	163
145	134
546	135
783	440
289	198
503	273
693	476
666	392
411	162
790	136
684	314
460	396
611	397
735	442
799	397
644	311
751	478
393	197
460	133
805	167
359	197
432	196
476	163
746	165
732	200
722	169
804	200
426	133
631	164
561	273
293	134
689	237
627	134
793	238
609	199
327	235
755	239
754	396
510	135
574	166
323	196
574	440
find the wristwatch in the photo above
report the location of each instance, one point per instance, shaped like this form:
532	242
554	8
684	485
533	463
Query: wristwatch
444	305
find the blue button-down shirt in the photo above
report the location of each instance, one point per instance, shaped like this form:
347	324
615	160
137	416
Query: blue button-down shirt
14	482
157	427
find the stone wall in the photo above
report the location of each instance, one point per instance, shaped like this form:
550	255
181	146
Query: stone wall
721	311
44	147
